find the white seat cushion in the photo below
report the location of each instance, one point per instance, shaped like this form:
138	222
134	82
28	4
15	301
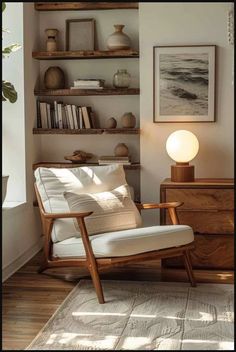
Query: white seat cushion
127	242
53	182
112	211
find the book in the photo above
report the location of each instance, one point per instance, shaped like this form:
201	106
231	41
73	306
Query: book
89	82
86	87
38	121
74	114
56	114
107	162
43	114
81	120
111	157
49	122
86	117
64	117
59	111
70	117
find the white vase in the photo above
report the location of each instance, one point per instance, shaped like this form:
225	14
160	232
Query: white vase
4	187
118	40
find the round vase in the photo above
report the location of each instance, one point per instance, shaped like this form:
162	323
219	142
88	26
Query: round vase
54	78
121	79
121	150
118	40
111	123
51	43
128	120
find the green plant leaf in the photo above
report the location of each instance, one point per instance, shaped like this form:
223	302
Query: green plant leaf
10	49
3	6
8	92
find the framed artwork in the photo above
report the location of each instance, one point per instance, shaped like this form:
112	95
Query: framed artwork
80	34
184	83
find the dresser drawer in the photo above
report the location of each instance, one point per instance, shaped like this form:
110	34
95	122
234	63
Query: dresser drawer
202	199
212	222
211	252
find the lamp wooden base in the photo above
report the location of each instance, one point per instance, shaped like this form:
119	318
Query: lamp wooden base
182	172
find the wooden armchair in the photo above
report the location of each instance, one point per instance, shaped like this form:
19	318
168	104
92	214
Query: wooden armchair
96	263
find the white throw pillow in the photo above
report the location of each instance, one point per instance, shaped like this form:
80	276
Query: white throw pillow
52	182
112	210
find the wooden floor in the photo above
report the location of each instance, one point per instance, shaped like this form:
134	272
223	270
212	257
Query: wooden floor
30	299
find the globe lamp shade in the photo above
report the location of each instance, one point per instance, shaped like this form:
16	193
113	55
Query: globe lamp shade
182	146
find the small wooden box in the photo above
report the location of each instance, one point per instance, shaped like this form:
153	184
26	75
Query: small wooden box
209	209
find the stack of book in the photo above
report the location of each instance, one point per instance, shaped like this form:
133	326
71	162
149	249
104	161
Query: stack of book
64	116
104	160
88	84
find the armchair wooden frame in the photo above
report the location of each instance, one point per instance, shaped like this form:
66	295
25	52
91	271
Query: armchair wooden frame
94	264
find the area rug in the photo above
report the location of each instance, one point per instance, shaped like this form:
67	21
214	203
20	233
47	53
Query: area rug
141	316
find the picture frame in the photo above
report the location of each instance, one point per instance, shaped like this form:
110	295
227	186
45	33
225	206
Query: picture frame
184	83
80	34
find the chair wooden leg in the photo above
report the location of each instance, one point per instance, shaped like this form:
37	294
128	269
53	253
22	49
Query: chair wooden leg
189	269
97	283
42	267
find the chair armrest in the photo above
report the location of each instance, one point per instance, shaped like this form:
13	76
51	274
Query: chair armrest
55	216
169	205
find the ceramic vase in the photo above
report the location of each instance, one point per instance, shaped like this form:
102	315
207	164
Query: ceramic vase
111	123
54	78
121	79
51	43
128	120
121	150
118	40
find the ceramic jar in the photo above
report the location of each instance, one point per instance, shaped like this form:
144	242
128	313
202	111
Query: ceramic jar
128	120
121	79
118	40
121	150
51	43
111	123
54	78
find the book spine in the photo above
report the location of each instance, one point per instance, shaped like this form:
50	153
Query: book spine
38	121
74	116
49	116
60	123
56	115
86	117
71	122
43	113
81	120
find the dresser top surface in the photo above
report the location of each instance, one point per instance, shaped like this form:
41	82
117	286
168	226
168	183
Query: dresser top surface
200	182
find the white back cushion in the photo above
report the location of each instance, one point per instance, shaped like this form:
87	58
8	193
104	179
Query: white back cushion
112	210
53	182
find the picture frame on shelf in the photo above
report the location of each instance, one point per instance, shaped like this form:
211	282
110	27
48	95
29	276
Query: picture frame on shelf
184	83
80	34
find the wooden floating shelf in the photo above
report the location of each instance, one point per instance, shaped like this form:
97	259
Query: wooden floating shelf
83	6
133	166
87	92
82	54
87	131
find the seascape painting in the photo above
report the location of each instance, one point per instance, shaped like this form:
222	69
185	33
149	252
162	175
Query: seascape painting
184	89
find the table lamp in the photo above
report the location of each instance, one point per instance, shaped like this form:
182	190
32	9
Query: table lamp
182	146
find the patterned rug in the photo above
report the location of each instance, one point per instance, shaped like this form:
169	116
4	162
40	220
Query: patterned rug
142	316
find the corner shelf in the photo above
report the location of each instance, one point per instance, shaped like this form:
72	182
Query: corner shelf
133	166
84	54
87	131
82	6
86	92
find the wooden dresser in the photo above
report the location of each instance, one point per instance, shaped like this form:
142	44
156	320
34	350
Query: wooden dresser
209	209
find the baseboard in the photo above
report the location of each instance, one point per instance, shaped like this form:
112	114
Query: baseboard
11	268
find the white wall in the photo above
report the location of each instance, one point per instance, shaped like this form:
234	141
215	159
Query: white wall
21	226
180	24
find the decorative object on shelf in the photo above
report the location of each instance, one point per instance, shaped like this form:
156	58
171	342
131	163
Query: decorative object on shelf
54	78
182	146
80	34
121	79
121	150
51	43
118	40
184	83
79	157
111	123
128	120
4	186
